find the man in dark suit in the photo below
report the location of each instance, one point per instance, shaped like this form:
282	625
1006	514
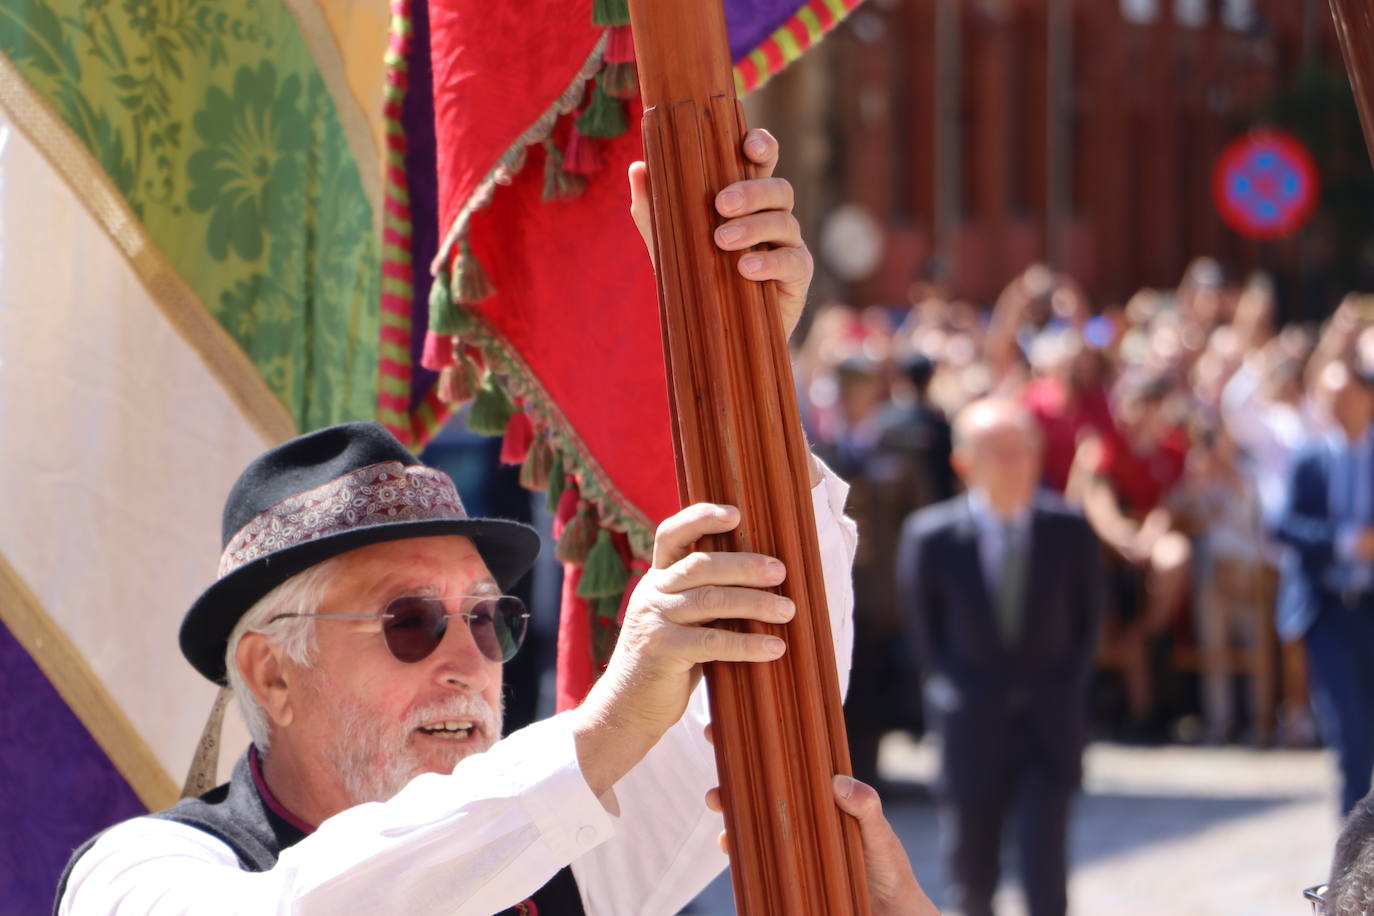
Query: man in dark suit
1326	585
1002	589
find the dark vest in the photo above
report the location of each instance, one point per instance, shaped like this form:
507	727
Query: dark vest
236	814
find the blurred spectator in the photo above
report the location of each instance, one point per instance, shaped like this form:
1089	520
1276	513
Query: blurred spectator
887	451
1002	591
1122	480
1069	400
1221	505
1327	594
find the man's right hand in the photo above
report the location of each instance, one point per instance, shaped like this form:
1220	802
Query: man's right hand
667	636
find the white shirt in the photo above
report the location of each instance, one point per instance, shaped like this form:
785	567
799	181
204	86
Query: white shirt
480	839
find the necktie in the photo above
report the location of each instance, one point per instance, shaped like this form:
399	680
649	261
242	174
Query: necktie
1011	585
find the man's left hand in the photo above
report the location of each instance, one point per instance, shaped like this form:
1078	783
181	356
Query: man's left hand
758	214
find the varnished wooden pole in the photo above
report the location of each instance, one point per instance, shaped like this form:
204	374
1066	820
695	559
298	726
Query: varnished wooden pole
779	729
1355	29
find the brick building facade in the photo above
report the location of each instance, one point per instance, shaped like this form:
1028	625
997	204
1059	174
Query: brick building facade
980	135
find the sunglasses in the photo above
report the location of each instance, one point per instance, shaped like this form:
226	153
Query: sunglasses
414	625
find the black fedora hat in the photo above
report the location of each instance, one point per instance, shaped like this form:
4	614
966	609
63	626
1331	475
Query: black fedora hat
320	495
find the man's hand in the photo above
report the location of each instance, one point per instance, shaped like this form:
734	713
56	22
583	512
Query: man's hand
892	885
758	212
665	639
1363	545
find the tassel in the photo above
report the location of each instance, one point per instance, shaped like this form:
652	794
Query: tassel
603	574
621	80
438	352
556	484
604	634
610	12
443	311
620	45
491	409
519	436
534	473
583	155
559	183
465	378
604	117
470	283
578	536
568	501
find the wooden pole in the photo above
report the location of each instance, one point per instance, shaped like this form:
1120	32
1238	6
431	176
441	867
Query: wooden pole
1355	29
779	730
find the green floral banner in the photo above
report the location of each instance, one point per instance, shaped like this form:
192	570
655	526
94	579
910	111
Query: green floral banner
213	121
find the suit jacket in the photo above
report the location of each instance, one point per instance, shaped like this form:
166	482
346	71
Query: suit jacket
1307	527
987	698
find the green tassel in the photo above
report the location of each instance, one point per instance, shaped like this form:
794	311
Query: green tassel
470	283
443	311
621	80
534	472
558	184
557	482
604	633
610	12
607	609
578	537
604	117
491	409
604	574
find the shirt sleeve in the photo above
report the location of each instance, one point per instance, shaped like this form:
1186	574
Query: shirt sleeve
664	851
475	841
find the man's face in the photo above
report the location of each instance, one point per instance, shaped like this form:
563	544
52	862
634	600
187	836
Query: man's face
379	722
1002	457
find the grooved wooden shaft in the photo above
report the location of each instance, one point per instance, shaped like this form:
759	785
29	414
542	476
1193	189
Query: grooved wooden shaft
1355	29
779	728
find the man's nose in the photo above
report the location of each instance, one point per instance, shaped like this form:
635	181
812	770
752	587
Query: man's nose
460	663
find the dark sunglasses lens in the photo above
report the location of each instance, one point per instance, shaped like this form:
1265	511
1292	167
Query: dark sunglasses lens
414	627
498	626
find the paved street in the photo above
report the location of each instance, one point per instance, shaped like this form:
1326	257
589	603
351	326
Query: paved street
1169	830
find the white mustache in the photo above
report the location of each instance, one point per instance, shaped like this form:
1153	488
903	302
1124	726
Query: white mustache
471	707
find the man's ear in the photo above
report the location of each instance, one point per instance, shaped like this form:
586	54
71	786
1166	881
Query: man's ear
263	672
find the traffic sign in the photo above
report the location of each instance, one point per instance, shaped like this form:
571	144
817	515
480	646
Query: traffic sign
1265	184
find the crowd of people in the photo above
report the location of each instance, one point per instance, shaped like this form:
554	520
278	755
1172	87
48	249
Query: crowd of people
1222	461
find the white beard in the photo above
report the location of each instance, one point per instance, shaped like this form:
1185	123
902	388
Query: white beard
373	760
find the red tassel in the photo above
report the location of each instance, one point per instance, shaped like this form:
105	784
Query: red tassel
620	45
515	444
438	351
583	155
575	667
567	508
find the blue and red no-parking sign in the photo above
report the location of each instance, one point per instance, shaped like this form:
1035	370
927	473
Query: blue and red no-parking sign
1265	184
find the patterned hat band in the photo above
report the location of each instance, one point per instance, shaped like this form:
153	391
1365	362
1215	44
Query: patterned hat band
375	495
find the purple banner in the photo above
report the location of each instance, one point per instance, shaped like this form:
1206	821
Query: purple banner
57	787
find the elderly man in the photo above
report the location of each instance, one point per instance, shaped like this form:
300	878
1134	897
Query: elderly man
360	619
1002	589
